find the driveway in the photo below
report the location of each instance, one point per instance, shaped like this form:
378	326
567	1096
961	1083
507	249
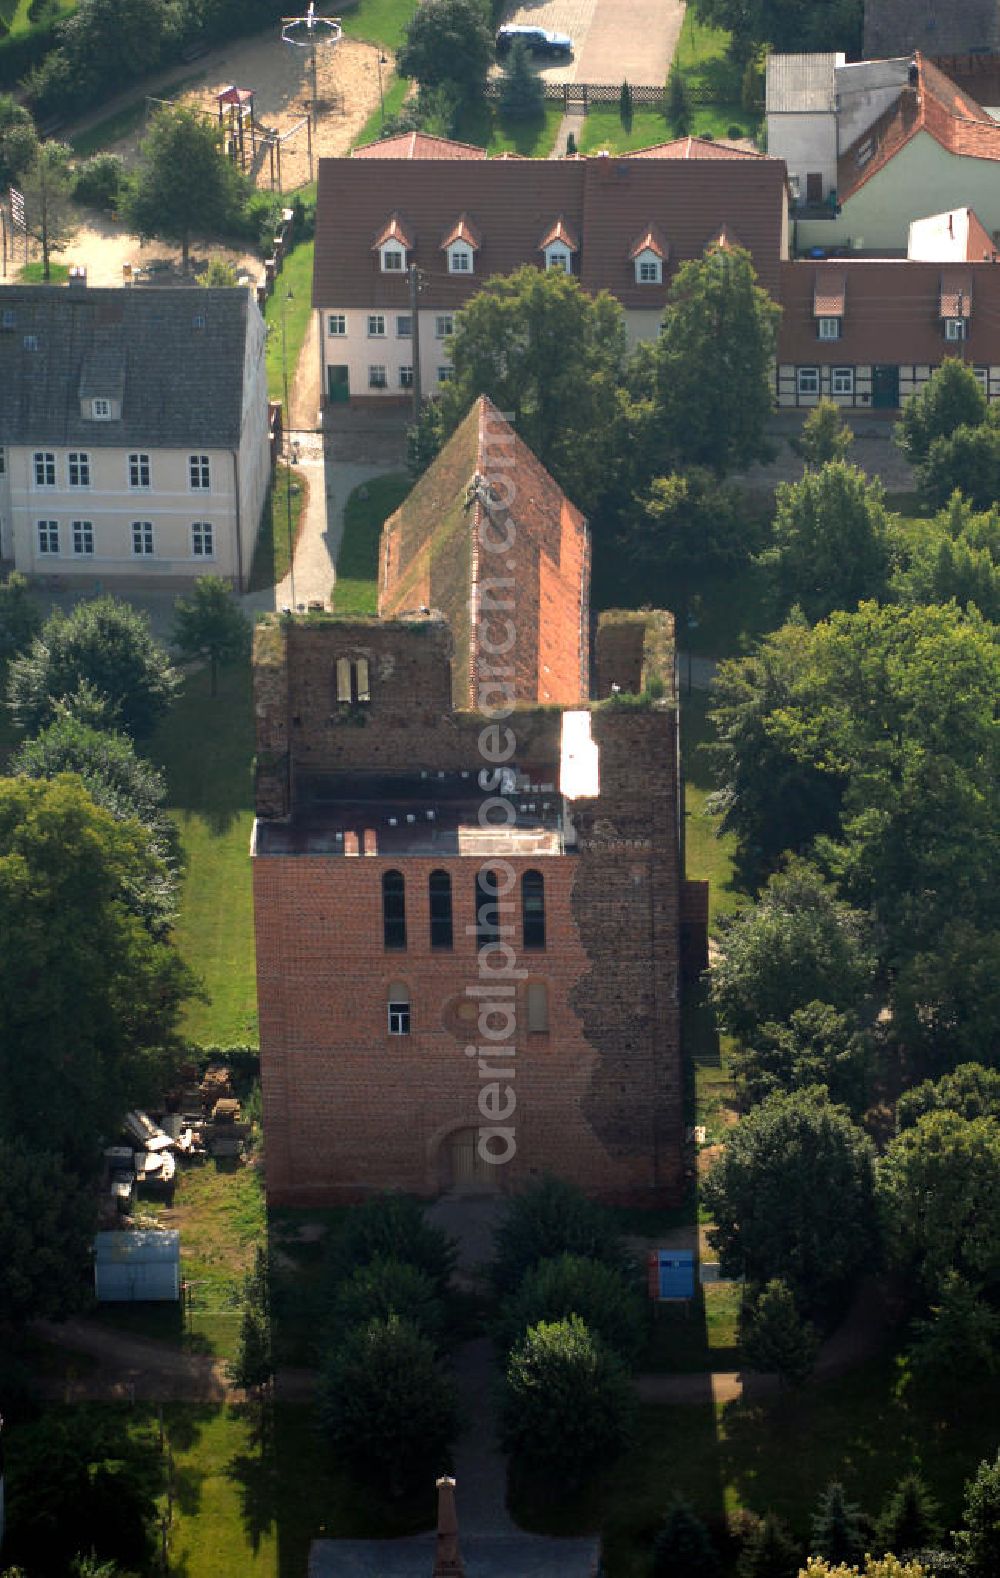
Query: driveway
613	40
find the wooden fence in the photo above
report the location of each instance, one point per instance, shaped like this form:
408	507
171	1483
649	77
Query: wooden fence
587	93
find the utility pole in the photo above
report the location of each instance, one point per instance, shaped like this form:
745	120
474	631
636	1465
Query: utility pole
415	326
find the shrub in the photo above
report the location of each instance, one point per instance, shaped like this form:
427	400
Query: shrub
386	1407
734	132
391	1227
20	616
567	1406
574	1285
551	1218
682	1549
98	181
774	1337
678	103
389	1287
571	143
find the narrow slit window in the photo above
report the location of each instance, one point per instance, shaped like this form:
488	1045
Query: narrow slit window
487	909
538	1007
533	909
442	933
394	909
343	679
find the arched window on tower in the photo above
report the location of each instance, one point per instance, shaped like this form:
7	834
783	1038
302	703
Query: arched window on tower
439	893
533	909
394	909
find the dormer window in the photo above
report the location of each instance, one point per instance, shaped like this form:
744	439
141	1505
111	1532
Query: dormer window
460	245
648	269
557	246
460	259
648	253
392	244
955	328
100	410
393	260
829	328
955	305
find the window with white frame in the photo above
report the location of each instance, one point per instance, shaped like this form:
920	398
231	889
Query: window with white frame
842	380
393	260
807	380
445	375
444	324
399	1009
45	468
142	538
48	537
406	378
377	376
460	258
83	536
648	268
78	469
558	258
336	324
404	326
828	328
376	325
981	375
200	472
203	540
100	410
954	328
138	471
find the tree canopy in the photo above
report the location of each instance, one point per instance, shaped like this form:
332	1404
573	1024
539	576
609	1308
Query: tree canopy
47	185
708	387
184	184
951	398
552	357
47	1226
210	625
89	996
798	945
939	1192
793	1196
786	24
522	92
831	544
20	616
448	44
18	140
104	645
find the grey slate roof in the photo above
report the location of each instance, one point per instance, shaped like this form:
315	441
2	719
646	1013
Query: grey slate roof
484	1555
800	82
178	385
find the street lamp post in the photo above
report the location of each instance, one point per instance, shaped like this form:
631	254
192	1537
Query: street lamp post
383	60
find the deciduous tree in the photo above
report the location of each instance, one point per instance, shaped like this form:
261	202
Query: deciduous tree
969	459
89	997
448	42
799	944
951	398
978	1541
792	1196
574	1285
390	1227
940	1200
970	1090
105	645
818	1046
47	1226
775	1338
387	1287
386	1406
20	616
831	543
47	185
18	140
551	1218
567	1405
184	185
209	625
825	435
552	356
711	366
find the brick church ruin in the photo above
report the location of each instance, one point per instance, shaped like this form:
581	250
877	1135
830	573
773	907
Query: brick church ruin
467	860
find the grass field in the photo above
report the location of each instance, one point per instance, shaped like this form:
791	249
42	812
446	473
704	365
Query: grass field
356	589
483	125
205	746
290	300
602	128
34	273
395	92
272	554
380	21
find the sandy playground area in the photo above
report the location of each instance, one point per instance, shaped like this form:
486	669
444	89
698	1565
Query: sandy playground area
280	77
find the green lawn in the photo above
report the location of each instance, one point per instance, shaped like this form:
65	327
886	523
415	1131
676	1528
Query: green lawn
272	554
482	124
703	60
356	588
17	13
205	746
34	273
380	21
602	128
708	856
291	299
691	1339
396	89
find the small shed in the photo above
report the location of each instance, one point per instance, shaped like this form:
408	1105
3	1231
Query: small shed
143	1266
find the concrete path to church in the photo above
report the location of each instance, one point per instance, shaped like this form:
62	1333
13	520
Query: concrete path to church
613	40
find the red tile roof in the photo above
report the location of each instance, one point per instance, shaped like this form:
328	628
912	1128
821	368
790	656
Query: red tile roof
934	105
393	230
956	292
418	145
560	231
650	240
831	289
892	313
431	557
604	202
696	148
463	230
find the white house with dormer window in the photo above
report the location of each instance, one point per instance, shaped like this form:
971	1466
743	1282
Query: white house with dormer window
393	244
559	245
460	245
649	253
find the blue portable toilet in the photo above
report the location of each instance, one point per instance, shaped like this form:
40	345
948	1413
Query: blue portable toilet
671	1274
